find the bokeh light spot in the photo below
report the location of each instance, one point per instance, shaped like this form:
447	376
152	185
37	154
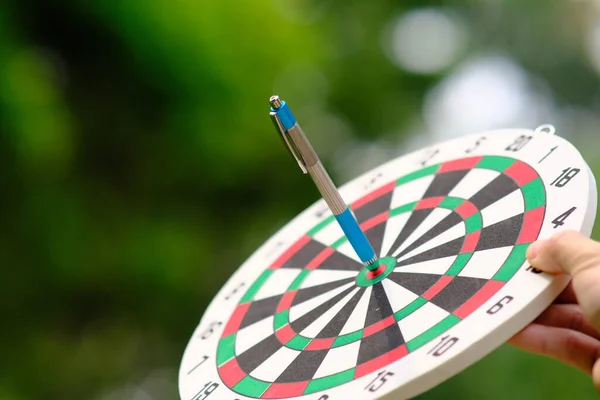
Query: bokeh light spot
485	93
425	41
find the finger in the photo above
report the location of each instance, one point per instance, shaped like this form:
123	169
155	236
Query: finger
567	296
596	375
566	252
568	316
573	348
575	254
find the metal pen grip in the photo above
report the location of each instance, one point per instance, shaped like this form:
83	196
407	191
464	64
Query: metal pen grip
327	188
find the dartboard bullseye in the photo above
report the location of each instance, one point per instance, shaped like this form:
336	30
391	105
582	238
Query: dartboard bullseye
305	317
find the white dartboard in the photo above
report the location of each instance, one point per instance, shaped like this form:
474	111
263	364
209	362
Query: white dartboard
303	318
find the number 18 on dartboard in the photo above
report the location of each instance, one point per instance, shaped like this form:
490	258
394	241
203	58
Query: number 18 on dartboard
393	282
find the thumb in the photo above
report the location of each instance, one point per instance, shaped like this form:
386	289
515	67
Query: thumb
577	255
566	252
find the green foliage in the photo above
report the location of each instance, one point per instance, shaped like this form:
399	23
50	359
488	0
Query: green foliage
139	168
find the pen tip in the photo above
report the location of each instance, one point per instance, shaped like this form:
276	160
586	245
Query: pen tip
275	102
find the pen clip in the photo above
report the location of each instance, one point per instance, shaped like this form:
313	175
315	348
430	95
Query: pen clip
289	143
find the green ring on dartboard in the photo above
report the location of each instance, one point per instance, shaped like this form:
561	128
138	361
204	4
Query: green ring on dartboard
532	189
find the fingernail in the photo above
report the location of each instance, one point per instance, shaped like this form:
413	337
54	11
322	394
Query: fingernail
534	250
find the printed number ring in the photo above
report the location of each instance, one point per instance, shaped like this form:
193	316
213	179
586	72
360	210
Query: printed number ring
302	317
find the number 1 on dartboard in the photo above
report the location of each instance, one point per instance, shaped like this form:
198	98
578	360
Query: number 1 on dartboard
429	157
550	152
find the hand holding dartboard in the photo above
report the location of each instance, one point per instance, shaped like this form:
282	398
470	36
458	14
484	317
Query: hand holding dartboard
304	317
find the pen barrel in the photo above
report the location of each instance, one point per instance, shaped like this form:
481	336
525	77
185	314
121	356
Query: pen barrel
299	146
309	155
327	188
357	238
289	144
316	170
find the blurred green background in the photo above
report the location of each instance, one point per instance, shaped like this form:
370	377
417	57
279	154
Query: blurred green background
139	168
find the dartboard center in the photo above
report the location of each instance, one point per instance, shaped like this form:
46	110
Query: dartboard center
383	267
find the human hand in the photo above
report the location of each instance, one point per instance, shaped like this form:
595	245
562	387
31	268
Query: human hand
569	330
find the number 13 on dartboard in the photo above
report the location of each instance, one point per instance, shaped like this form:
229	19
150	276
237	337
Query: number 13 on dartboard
449	283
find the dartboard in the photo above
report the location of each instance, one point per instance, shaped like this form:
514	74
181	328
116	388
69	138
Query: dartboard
304	318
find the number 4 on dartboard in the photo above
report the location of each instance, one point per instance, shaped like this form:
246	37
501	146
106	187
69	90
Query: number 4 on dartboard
560	220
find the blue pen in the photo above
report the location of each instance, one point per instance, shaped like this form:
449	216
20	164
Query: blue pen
309	163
